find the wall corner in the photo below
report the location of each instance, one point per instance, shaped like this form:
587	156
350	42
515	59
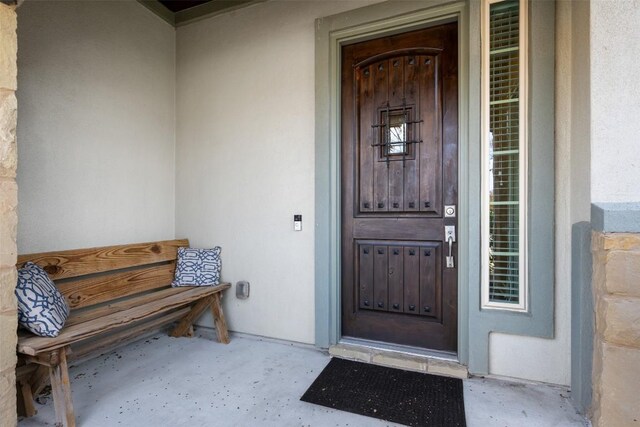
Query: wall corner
8	214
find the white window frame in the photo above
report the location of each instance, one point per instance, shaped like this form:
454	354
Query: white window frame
523	288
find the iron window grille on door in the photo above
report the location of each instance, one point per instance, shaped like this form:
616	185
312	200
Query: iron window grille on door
504	160
396	133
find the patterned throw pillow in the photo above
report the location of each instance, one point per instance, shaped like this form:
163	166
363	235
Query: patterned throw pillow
198	267
41	307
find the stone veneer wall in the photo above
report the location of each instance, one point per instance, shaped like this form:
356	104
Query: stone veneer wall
8	217
616	360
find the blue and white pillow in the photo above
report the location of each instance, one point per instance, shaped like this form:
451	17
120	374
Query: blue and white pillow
198	267
41	307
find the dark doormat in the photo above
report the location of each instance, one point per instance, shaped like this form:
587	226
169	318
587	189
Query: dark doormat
394	395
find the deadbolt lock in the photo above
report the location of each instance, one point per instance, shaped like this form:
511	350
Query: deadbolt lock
450	211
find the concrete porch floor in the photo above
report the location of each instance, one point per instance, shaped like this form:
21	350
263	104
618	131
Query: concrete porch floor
163	381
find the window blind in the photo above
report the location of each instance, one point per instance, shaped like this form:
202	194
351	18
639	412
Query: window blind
504	152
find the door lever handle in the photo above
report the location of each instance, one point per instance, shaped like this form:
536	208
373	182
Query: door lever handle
450	263
450	236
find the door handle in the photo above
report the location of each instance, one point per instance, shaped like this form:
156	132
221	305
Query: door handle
450	237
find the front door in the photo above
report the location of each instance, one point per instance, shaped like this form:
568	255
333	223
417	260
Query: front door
400	188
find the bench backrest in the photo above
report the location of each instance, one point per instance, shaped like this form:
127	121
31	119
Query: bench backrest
93	276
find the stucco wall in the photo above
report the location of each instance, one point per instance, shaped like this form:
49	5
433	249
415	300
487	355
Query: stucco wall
615	105
245	156
97	125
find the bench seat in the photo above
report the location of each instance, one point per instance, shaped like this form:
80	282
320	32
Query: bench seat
90	323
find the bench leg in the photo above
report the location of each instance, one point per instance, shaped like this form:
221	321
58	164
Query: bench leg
26	398
39	380
218	318
61	390
185	325
24	372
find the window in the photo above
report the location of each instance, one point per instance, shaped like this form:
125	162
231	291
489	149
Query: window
504	147
397	138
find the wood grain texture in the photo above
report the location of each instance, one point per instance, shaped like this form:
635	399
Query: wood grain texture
396	168
218	318
365	278
431	148
39	380
112	341
61	391
430	280
96	290
26	398
96	326
413	71
380	278
396	278
47	358
80	262
366	136
185	324
411	279
81	316
380	176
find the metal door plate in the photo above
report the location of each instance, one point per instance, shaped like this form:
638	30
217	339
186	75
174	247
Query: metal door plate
450	211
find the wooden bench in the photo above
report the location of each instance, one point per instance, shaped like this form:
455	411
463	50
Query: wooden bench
115	293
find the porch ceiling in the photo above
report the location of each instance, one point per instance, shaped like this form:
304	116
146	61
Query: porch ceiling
180	12
178	5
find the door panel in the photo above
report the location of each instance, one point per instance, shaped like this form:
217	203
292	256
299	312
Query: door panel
366	276
411	286
430	278
380	279
396	97
379	176
384	285
396	279
399	170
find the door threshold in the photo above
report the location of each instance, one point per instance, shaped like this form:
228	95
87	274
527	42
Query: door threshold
400	356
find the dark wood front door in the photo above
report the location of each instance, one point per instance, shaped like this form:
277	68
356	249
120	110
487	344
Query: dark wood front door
399	172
